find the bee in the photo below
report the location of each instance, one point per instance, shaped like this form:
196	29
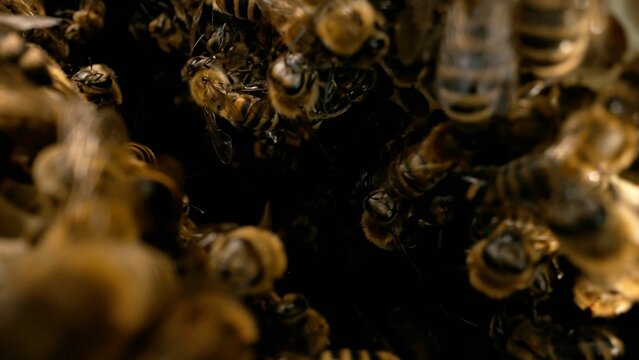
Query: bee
476	73
248	259
524	337
116	289
86	21
222	329
168	33
295	326
241	9
97	83
506	260
422	166
347	354
293	87
344	27
212	89
553	37
381	220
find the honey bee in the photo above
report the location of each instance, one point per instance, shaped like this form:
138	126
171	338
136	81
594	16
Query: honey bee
506	260
86	21
222	329
295	326
347	354
293	87
248	259
116	289
422	166
553	37
168	33
344	27
381	220
97	83
212	89
241	9
476	73
524	337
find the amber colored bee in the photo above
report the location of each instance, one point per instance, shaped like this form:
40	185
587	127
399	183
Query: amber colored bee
295	326
476	73
600	300
506	260
117	290
293	86
422	166
97	83
212	89
86	21
206	325
381	220
248	259
168	33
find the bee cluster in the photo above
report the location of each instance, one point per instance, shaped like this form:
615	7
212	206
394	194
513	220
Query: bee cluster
489	146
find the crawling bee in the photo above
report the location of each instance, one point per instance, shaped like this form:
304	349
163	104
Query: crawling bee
213	90
293	87
526	337
86	21
97	83
248	259
345	27
505	261
381	220
476	73
293	325
168	33
422	166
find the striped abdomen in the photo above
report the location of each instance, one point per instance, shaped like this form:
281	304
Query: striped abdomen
347	354
256	113
553	36
241	9
477	69
423	166
141	152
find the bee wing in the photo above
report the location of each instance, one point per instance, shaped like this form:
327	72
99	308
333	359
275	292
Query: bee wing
222	142
27	22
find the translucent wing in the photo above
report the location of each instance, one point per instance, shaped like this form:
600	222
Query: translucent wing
222	143
26	22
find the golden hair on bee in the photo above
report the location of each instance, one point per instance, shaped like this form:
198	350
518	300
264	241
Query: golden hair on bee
506	260
142	153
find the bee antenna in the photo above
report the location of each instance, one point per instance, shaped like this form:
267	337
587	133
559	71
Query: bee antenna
195	45
90	63
197	208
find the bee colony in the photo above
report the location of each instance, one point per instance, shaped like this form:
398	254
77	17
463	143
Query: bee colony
305	179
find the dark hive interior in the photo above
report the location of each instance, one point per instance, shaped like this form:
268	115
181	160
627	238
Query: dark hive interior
432	179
